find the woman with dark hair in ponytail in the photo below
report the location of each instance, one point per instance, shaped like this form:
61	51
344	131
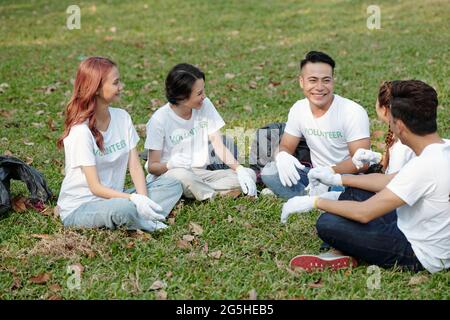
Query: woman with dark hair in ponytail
396	154
99	143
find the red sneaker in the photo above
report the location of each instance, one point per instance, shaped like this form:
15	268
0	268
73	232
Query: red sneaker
312	263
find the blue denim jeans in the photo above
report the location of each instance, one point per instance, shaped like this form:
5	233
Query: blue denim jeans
271	179
379	242
116	212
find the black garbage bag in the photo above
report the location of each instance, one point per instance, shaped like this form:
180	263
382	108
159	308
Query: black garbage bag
16	169
267	140
215	162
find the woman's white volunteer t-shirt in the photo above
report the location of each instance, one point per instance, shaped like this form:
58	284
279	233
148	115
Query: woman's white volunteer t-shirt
81	149
172	134
424	184
399	155
327	136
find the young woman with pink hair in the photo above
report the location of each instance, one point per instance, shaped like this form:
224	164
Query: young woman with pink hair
99	144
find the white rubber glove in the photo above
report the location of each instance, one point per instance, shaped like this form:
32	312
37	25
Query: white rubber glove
246	181
179	160
146	207
363	156
304	204
287	166
325	175
316	190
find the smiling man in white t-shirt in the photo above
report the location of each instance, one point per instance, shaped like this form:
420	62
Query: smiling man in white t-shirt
407	222
333	127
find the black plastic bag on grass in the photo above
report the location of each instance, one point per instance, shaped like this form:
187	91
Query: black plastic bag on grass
16	169
266	141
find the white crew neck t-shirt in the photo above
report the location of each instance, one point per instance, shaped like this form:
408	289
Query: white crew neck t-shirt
172	134
80	149
424	184
327	136
399	155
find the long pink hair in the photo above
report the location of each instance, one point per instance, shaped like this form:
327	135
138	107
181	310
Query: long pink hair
90	77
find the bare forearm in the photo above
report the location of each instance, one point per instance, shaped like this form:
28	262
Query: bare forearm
374	182
108	193
347	166
157	168
225	155
352	210
138	177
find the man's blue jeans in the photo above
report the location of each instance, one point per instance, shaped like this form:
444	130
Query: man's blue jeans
112	213
379	242
271	179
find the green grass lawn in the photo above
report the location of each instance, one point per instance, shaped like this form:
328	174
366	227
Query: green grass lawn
243	249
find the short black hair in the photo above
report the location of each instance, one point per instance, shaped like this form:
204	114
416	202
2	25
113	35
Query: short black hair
180	80
415	103
317	56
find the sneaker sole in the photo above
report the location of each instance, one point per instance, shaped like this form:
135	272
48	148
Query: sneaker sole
311	263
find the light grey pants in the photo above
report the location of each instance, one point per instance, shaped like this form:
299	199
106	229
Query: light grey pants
202	184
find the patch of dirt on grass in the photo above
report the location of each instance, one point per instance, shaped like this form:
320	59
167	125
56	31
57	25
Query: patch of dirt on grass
67	245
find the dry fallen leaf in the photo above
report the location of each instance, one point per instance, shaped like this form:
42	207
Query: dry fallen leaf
229	75
188	238
157	285
171	221
161	295
183	244
41	236
54	297
169	274
139	234
316	284
195	228
54	287
205	248
416	280
7	113
8	153
17	284
51	88
252	84
230	219
51	124
19	204
27	143
216	254
41	278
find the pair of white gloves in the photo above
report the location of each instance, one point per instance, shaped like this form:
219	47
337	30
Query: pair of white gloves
327	176
247	183
324	176
287	165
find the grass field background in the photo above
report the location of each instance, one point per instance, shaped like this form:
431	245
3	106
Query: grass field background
250	52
